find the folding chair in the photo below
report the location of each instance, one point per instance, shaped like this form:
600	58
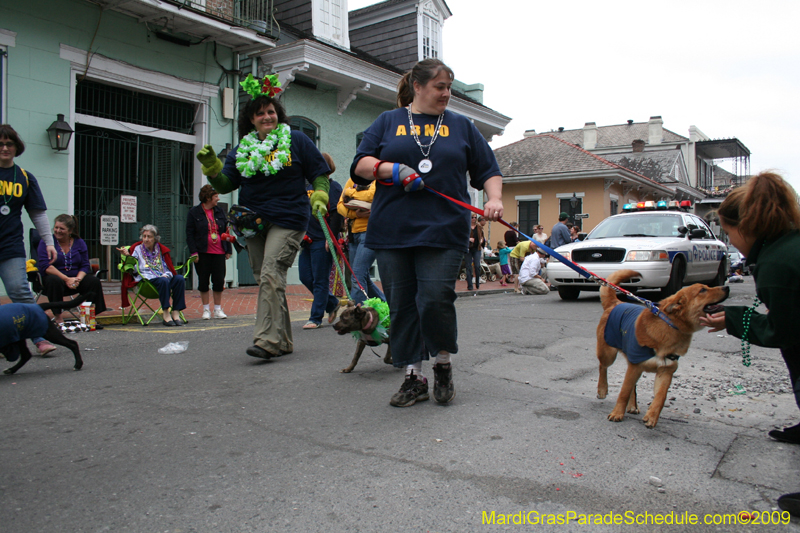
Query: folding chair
144	291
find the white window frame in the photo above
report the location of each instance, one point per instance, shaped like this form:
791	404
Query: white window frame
8	39
429	31
329	22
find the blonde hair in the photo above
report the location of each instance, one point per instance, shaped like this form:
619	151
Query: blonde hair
766	207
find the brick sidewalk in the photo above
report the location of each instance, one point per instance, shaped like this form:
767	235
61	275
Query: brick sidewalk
243	300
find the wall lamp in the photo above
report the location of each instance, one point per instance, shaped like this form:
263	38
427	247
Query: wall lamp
60	134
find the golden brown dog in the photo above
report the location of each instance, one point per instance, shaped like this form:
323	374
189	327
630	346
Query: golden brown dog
683	309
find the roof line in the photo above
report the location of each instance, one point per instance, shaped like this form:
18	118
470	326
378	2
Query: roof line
606	161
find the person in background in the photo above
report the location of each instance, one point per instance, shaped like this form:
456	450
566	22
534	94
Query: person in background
510	237
560	234
316	260
573	232
420	238
474	252
530	276
361	257
71	272
204	225
155	265
517	256
538	234
762	220
25	192
503	252
270	166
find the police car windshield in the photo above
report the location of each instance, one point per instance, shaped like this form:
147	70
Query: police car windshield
634	225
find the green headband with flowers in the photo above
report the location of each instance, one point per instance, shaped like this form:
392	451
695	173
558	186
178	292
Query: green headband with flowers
269	86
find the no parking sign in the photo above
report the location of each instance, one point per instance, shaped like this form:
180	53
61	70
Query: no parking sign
109	230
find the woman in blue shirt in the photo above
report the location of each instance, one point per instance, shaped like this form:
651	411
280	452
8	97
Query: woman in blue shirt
420	238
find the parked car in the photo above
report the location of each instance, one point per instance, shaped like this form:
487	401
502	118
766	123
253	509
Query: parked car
736	260
669	248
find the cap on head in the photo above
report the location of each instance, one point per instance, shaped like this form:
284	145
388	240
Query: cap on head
563	216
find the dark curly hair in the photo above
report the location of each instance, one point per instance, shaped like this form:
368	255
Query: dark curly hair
207	192
245	124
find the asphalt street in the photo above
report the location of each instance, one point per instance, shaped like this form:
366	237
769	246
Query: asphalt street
211	440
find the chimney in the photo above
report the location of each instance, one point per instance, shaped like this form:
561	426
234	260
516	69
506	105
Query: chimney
638	145
560	129
589	136
529	133
655	130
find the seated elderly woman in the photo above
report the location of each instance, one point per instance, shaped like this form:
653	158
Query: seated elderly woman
155	265
70	273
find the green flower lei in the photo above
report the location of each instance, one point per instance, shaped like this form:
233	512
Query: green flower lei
253	155
381	333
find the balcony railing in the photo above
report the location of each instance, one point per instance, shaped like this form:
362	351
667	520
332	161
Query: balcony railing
253	14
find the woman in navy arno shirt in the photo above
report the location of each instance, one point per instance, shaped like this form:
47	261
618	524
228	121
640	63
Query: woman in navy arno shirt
420	238
19	189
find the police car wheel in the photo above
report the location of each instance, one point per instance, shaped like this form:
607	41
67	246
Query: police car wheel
719	279
675	278
569	293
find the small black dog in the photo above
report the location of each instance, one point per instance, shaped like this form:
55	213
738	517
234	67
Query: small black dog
355	317
19	322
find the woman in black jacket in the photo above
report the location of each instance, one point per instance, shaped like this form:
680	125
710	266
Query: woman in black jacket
204	225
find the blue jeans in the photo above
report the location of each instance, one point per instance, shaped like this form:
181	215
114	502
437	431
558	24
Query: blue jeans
315	270
473	257
175	285
15	281
361	259
420	286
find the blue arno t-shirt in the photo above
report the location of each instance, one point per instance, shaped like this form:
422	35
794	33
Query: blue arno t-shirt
403	220
21	321
17	192
620	333
281	198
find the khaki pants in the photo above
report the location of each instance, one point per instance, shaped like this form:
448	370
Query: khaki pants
271	256
534	286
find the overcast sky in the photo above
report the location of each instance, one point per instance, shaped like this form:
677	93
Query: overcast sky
729	67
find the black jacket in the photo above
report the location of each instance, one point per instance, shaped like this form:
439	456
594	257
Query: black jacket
197	229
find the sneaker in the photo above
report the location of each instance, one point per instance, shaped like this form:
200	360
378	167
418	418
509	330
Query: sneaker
790	434
443	388
412	390
219	313
206	314
45	347
790	503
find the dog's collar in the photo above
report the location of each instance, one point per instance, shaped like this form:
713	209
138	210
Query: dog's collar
660	314
672	357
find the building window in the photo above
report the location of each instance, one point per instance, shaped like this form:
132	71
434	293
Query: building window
430	37
528	216
330	21
3	56
307	127
614	207
566	207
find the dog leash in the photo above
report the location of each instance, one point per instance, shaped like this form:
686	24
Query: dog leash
652	306
334	245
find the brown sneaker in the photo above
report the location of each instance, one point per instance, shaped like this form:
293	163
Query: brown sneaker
412	390
443	388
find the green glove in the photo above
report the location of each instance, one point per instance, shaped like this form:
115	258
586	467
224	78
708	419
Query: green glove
319	203
211	163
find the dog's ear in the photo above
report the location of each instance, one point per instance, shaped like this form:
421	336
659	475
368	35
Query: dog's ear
675	305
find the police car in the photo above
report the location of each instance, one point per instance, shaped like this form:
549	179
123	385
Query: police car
666	244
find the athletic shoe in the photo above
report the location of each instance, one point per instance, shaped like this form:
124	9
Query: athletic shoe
219	313
790	434
443	388
45	347
206	314
790	503
412	390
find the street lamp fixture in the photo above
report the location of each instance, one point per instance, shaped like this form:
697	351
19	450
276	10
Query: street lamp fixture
573	202
60	134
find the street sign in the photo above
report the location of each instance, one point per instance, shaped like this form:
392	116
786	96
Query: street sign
109	230
127	208
582	215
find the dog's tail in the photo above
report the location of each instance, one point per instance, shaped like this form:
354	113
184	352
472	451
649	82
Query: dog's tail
67	304
608	296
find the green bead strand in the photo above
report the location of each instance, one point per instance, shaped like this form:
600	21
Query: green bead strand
745	343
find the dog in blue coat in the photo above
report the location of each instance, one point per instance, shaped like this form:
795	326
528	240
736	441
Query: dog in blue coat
648	342
19	322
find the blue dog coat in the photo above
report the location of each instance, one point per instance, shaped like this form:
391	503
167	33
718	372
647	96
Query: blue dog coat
19	322
621	333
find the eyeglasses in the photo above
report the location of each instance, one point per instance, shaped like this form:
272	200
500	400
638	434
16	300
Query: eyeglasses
7	145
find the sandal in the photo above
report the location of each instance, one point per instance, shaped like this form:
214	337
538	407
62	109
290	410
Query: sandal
312	325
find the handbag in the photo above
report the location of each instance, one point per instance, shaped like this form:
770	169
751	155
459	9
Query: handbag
246	222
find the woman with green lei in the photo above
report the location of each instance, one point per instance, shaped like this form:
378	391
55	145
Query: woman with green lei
762	220
270	167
